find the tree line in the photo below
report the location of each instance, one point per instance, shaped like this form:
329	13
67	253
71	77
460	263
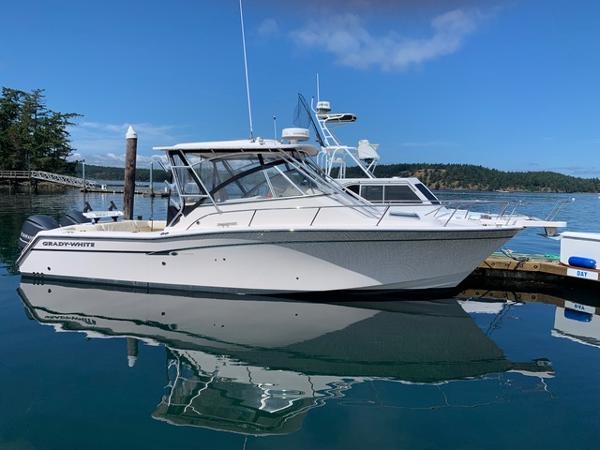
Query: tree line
32	136
473	177
436	176
118	173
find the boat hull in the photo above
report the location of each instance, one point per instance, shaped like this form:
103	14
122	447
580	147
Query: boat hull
268	261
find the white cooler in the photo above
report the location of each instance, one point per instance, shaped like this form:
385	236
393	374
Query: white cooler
585	245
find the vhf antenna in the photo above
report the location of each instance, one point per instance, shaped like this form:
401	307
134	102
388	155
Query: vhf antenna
318	88
246	72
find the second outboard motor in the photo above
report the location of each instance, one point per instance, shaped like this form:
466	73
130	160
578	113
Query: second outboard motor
33	225
73	218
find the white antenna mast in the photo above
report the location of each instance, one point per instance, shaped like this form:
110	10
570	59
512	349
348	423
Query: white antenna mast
318	88
246	72
274	127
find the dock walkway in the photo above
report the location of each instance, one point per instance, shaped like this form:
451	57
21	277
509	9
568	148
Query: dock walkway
66	180
40	175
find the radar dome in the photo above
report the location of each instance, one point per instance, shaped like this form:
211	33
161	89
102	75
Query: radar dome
295	135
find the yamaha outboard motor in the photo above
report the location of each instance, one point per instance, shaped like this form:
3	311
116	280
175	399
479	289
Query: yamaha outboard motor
33	225
73	218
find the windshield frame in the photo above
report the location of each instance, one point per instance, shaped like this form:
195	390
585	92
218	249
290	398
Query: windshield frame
295	162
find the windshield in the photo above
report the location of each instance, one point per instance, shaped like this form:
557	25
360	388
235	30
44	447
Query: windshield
243	176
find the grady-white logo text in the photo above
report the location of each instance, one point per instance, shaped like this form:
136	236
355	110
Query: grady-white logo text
68	244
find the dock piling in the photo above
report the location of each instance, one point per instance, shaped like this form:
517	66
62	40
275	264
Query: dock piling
151	178
129	180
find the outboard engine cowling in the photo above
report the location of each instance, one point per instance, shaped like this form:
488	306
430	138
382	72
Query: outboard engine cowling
73	218
33	225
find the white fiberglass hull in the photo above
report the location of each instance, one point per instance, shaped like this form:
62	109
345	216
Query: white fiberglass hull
269	261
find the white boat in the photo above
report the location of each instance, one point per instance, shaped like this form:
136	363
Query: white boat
260	216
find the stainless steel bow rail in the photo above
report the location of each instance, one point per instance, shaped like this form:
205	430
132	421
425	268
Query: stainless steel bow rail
40	175
452	211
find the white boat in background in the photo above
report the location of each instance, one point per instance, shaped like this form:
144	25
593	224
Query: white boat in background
259	216
335	159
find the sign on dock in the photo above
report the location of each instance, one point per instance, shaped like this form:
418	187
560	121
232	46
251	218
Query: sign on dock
582	273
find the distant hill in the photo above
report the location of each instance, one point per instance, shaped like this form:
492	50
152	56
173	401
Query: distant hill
471	177
436	176
117	173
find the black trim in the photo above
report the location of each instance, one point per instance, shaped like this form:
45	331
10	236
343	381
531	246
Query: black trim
256	231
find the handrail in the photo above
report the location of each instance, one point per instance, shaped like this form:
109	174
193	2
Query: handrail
557	207
370	208
451	216
315	217
47	176
288	208
383	215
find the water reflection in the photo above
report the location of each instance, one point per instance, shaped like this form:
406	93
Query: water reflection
576	321
257	366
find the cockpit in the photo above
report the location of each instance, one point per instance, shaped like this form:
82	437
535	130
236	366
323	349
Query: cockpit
225	178
225	173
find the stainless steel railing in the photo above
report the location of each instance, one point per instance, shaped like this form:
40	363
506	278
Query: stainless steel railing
372	210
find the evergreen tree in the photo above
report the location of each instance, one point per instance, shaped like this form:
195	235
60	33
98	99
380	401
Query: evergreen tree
33	137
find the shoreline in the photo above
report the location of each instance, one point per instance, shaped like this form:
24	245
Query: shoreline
51	188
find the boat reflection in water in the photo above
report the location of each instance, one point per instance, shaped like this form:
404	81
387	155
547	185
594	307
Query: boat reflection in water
256	365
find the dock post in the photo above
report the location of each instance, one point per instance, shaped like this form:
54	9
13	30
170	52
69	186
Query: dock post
132	351
151	178
129	181
83	175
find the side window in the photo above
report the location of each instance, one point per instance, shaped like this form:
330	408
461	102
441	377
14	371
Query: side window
372	193
354	188
400	193
427	193
188	187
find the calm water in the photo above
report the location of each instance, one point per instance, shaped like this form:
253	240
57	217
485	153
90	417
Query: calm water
91	368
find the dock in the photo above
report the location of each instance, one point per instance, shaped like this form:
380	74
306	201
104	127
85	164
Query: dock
86	185
540	269
120	190
35	176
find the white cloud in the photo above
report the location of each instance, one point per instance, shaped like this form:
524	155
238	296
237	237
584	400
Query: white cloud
346	37
104	143
268	27
428	144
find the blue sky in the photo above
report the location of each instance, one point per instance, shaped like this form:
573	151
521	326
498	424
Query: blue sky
508	84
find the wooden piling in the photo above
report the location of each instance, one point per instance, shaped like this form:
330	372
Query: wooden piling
129	181
151	178
132	351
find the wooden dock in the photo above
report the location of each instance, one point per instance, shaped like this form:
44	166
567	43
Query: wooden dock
536	269
119	190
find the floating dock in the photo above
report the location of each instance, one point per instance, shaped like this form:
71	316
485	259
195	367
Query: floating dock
119	190
543	269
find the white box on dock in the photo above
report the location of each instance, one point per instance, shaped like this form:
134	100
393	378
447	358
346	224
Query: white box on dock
585	245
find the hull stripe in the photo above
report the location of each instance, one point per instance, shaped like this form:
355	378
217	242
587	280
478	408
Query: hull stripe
164	252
